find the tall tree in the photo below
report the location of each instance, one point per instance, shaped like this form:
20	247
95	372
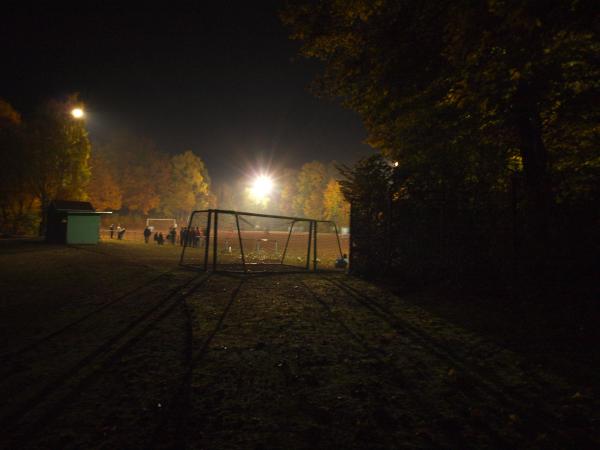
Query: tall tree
18	207
188	187
103	190
455	91
311	182
335	206
141	171
57	153
287	205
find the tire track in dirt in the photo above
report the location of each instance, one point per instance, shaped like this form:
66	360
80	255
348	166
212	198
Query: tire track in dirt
420	402
45	408
170	432
484	384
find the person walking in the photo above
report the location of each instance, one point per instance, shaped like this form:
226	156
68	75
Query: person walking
147	234
112	230
182	234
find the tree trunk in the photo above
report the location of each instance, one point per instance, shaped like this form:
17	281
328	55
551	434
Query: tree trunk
535	166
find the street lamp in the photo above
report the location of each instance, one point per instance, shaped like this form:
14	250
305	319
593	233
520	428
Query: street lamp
77	113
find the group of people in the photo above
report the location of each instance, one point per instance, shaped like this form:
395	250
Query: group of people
159	237
191	237
120	231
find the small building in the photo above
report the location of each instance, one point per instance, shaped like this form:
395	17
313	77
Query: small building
72	222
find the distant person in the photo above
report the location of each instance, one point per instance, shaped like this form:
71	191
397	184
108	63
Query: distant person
121	233
112	230
197	236
160	239
173	235
342	263
156	237
182	234
147	234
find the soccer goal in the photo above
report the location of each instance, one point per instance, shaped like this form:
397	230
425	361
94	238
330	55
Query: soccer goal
161	224
249	242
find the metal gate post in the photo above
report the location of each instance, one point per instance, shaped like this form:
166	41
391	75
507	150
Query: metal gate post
207	240
310	228
315	247
237	222
287	241
185	241
215	243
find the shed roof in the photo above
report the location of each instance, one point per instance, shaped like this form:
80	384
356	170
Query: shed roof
69	205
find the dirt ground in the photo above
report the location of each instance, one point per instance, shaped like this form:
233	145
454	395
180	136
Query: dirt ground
115	346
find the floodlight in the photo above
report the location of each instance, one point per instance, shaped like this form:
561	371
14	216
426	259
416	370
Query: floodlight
77	113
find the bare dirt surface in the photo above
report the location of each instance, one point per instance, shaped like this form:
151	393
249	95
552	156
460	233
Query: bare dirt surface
145	355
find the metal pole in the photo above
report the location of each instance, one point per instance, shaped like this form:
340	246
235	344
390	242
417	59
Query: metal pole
310	227
185	241
237	222
350	241
207	240
287	241
315	247
215	243
337	235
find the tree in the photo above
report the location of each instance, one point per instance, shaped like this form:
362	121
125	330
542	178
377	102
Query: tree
57	150
335	205
140	169
287	205
188	188
18	207
103	190
456	92
311	182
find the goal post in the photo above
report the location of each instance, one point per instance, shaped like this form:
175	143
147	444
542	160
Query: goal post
235	241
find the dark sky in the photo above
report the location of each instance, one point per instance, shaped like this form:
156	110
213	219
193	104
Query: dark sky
224	81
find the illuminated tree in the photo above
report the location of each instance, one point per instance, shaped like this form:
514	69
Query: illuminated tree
188	187
141	171
335	205
288	193
57	150
103	190
311	182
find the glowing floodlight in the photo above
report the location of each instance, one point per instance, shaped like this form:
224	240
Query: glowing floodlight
261	188
77	113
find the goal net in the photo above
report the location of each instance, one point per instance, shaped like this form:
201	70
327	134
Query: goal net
249	242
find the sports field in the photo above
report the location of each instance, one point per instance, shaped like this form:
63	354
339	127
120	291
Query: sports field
116	346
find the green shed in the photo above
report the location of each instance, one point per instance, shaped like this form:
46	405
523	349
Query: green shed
71	222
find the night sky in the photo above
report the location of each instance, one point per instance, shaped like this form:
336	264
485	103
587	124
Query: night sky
223	81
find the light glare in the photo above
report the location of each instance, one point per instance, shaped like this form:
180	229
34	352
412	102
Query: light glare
77	113
261	188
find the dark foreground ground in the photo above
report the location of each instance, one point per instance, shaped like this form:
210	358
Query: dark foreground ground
113	346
